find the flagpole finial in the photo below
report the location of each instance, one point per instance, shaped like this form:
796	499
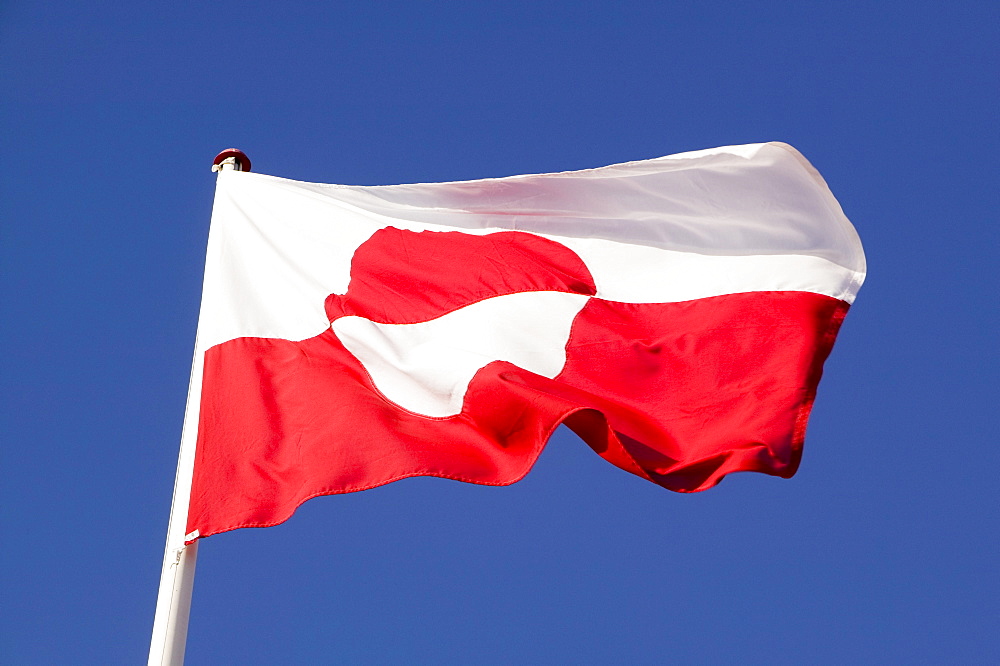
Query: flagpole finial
231	158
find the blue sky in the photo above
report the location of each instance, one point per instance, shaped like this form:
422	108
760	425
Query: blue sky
881	550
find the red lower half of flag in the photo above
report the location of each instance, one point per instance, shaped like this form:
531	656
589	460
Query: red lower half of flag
678	393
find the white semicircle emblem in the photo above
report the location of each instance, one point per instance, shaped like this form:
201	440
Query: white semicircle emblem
426	367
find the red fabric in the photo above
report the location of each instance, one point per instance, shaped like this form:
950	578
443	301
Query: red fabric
678	393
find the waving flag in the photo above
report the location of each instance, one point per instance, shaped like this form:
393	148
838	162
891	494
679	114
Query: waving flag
675	313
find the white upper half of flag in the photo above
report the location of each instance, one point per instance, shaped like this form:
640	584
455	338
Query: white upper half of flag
708	223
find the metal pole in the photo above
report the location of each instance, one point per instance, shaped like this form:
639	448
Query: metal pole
173	602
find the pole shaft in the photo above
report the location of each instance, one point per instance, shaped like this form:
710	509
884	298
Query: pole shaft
173	602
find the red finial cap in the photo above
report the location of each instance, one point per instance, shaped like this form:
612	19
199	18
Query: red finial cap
241	158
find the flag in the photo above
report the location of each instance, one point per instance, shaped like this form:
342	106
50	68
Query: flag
675	313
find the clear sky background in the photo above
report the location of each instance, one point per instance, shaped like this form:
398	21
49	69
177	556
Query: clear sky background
884	547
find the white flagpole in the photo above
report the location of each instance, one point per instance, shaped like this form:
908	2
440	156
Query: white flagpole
173	602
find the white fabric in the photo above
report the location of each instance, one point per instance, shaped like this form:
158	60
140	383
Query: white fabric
426	367
708	223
